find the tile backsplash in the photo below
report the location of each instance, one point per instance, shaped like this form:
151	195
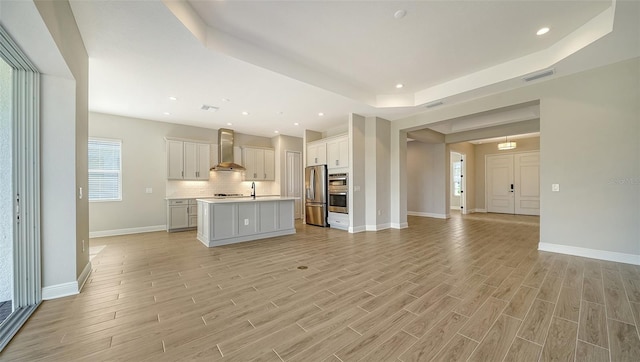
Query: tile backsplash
226	182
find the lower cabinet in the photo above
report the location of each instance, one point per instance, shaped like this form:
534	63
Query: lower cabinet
229	222
182	214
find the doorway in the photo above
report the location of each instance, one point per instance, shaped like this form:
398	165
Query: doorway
293	180
513	183
457	196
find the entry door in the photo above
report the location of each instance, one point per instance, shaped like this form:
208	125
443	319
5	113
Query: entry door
294	180
513	183
500	184
527	180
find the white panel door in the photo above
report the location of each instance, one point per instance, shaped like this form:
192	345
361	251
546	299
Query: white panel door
527	183
499	184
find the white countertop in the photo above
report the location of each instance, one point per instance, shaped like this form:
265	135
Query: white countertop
209	197
245	199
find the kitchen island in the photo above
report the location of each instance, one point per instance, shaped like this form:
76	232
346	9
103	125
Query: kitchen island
223	221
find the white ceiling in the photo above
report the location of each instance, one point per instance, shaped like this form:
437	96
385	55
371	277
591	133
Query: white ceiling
286	61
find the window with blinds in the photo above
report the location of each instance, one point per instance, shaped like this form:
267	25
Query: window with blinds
105	170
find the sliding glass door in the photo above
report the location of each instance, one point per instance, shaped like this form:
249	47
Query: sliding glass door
6	202
20	289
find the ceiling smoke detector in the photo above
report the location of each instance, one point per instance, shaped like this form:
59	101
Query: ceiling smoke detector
206	107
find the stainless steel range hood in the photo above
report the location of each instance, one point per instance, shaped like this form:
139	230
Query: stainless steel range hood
225	152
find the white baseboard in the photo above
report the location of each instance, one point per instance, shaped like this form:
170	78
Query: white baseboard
67	289
590	253
357	229
82	279
395	225
480	210
455	208
428	214
378	227
60	290
144	229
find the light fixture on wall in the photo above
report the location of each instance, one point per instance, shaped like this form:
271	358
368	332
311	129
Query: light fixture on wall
506	145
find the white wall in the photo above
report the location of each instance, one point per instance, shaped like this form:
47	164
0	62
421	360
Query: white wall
427	171
588	144
357	176
598	114
377	144
144	165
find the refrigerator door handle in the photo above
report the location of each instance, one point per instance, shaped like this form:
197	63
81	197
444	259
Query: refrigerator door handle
313	184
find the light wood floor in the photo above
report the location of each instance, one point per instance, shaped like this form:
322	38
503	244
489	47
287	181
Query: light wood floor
470	288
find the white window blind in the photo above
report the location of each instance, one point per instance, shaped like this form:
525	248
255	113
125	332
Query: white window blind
105	170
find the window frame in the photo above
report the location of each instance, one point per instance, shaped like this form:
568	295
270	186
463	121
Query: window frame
119	171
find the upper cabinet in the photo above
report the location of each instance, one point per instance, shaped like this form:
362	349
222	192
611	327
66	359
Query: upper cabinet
317	153
338	152
187	160
260	164
333	152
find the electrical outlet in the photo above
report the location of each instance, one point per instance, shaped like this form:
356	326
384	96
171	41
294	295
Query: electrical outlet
80	194
379	212
83	246
148	190
246	222
555	187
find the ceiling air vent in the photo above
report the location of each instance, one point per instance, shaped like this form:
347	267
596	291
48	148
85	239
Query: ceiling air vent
538	75
434	104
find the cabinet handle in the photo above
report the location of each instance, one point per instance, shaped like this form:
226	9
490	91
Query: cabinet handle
265	176
337	162
182	174
315	160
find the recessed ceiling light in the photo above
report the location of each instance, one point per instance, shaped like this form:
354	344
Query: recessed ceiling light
167	113
542	31
276	131
280	113
228	123
399	85
226	100
400	14
245	113
320	114
173	98
296	124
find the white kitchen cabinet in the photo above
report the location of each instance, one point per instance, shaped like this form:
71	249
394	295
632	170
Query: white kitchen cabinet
182	214
187	160
175	160
228	221
317	153
259	164
338	152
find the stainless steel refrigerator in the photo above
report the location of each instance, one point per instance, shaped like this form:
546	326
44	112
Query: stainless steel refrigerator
315	191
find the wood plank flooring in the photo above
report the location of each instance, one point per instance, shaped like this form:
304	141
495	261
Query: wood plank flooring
471	288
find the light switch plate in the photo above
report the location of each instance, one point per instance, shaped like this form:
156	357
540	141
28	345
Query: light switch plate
148	190
555	187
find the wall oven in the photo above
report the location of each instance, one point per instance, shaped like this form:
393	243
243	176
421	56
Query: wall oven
339	193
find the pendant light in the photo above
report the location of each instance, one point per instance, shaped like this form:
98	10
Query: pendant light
506	145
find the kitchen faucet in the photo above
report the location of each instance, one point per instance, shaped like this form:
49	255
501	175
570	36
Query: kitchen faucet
253	190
